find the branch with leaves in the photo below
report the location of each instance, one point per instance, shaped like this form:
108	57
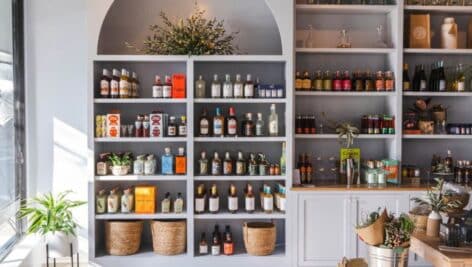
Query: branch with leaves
435	199
346	131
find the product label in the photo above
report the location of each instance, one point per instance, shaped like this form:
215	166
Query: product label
227	167
138	167
228	248
306	84
215	168
318	85
114	88
268	203
228	90
273	93
282	204
238	90
171	130
180	165
200	204
204	127
298	83
102	168
249	90
214	204
215	250
259	130
273	127
104	88
461	86
347	85
232	127
215	90
406	86
167	91
203	249
124	88
113	125
167	165
337	85
155	125
203	168
422	85
232	203
250	203
157	91
389	85
182	130
262	92
442	85
379	85
217	127
239	168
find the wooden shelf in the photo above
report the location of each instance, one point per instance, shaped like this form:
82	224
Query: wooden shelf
440	9
141	58
140	139
134	216
240	139
345	9
335	136
147	178
438	51
139	100
381	51
239	178
240	100
451	94
436	136
343	93
240	215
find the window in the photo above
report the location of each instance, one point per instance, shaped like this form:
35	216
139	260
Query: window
12	165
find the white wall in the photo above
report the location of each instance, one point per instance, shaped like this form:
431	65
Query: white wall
5	26
56	74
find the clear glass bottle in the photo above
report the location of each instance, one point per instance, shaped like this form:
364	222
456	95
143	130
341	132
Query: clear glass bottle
267	199
227	87
200	199
232	199
214	200
216	164
127	201
215	87
124	84
227	164
179	203
249	87
240	164
167	162
380	43
165	204
260	126
200	87
101	202
252	165
203	245
238	87
172	127
157	88
249	199
218	124
273	122
203	164
182	129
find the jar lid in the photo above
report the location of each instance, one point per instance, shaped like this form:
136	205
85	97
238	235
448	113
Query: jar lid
449	20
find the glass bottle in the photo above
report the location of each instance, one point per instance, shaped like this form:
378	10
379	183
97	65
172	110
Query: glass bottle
298	81
327	81
157	88
134	85
101	202
260	127
203	164
248	126
181	162
306	85
214	200
379	81
215	87
179	203
150	165
283	161
105	84
200	198
240	164
309	41
218	124
227	87
165	204
337	81
389	81
406	78
124	84
359	81
113	201
127	201
172	127
216	242
231	123
249	199
460	79
203	245
115	84
309	169
442	85
380	43
344	39
232	199
262	164
204	124
216	165
248	87
317	81
273	121
346	82
167	162
238	87
422	78
369	81
227	164
167	87
267	199
252	166
183	126
200	87
228	244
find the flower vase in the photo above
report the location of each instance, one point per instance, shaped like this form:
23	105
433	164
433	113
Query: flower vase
433	224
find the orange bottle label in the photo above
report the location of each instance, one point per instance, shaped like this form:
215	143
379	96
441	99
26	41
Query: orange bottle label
228	248
180	165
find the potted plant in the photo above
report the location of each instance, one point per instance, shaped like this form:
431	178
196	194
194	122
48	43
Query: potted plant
51	217
120	163
437	203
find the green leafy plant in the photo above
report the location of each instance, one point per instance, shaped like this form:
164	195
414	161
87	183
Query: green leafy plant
435	199
50	214
192	36
120	160
345	130
398	231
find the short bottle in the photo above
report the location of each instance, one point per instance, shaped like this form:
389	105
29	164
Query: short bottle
157	88
204	124
273	122
227	164
231	123
115	84
127	201
260	127
172	127
203	245
182	129
218	124
238	89
215	87
124	84
167	87
240	164
216	242
150	165
267	199
134	85
214	200
228	244
101	202
232	199
200	199
113	202
249	199
249	87
253	168
181	162
179	203
105	84
167	162
200	87
165	204
227	87
203	164
216	164
248	127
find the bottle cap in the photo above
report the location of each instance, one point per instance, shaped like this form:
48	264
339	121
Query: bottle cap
181	151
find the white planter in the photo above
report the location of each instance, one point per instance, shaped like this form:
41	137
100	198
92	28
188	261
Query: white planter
434	223
59	244
119	170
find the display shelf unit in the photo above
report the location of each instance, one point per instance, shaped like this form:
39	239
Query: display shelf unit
134	216
439	9
239	178
240	215
448	94
335	136
138	100
240	100
241	139
437	136
345	9
341	93
142	178
346	50
437	51
140	139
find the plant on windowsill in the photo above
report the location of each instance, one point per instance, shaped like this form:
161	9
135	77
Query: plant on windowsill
120	163
51	217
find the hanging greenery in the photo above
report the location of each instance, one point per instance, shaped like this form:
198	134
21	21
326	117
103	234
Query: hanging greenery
346	131
192	36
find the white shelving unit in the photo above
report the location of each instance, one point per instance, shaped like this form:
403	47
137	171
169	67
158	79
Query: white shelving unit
346	51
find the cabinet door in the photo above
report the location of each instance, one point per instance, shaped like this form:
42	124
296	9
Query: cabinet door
366	203
322	226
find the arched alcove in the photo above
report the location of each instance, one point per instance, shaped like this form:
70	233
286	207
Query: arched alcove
128	21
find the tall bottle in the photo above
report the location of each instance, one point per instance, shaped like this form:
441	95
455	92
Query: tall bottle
309	169
406	78
347	82
449	161
240	164
248	127
460	79
306	84
327	81
273	122
218	124
124	84
203	245
249	199
442	86
167	162
215	87
317	84
423	81
165	204
167	87
105	84
115	84
283	160
228	244
249	87
203	164
157	88
182	129
214	200
260	127
267	199
216	242
302	168
204	124
298	81
227	164
232	199
200	87
238	87
134	85
227	87
179	203
200	199
231	123
216	164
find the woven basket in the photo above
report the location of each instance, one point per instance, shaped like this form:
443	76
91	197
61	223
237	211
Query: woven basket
259	238
420	222
123	238
374	234
463	198
169	237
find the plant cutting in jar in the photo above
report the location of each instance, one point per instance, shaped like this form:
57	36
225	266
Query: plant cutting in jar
346	131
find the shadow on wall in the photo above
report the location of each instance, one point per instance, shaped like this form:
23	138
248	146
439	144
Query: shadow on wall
128	21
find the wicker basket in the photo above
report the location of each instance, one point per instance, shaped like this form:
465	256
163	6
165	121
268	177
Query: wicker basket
123	238
259	238
463	198
169	237
420	222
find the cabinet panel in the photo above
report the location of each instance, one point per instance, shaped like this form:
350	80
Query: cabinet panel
323	222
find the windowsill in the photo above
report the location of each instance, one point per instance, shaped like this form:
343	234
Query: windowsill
22	252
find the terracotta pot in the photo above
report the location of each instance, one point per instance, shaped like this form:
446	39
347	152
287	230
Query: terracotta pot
426	127
433	224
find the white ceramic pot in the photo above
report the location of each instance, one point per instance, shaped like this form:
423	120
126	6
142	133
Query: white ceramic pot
119	170
434	224
59	244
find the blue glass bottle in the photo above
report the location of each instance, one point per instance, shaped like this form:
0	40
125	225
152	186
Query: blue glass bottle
167	162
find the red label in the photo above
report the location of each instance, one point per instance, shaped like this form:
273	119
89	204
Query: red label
337	85
347	85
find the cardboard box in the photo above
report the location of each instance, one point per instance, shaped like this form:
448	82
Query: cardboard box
156	122
178	85
145	199
113	124
420	32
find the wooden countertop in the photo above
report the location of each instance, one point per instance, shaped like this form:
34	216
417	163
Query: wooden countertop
362	187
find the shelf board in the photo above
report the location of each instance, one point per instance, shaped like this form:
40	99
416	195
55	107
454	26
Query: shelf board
241	215
148	178
345	9
436	136
452	94
138	100
239	178
440	9
142	58
438	51
139	139
240	58
345	50
241	253
240	139
342	93
335	136
240	100
134	216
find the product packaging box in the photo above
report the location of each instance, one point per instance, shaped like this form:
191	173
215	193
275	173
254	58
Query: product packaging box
113	124
156	120
178	85
145	199
420	32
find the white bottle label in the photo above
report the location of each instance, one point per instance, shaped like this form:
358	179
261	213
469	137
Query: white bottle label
215	250
282	204
124	87
460	86
238	90
442	85
249	90
227	90
217	127
182	130
157	91
114	88
232	127
422	85
273	128
216	90
268	203
104	88
204	127
167	91
203	249
250	203
200	204
214	204
232	203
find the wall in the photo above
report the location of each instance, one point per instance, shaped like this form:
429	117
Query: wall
5	26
